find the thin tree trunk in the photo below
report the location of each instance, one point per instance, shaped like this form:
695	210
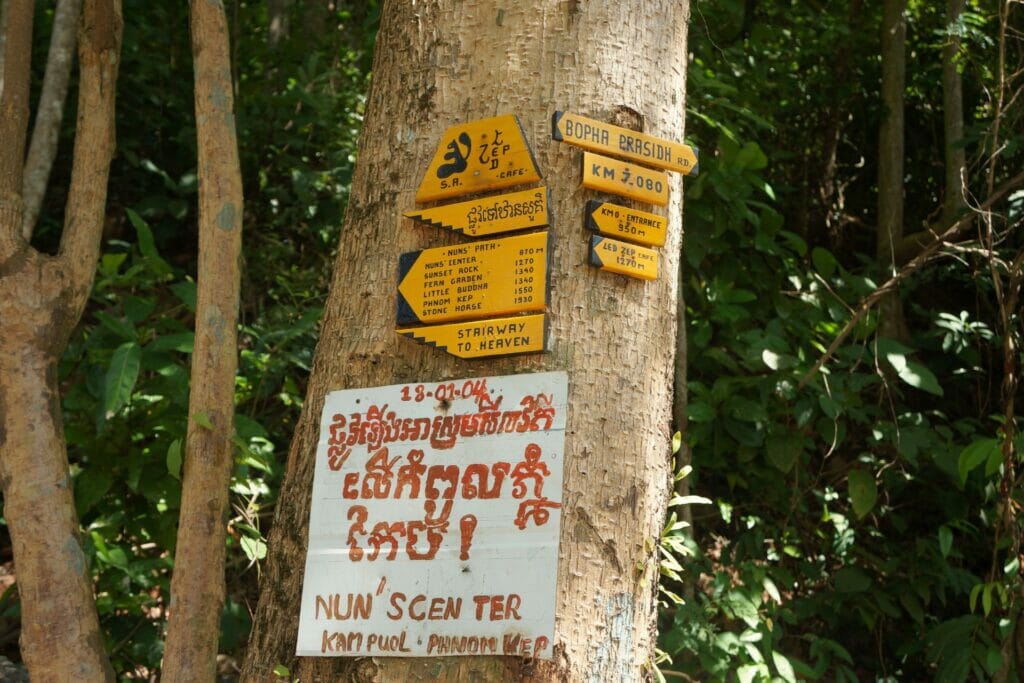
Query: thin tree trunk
14	103
50	111
197	588
437	64
41	300
890	160
278	22
953	119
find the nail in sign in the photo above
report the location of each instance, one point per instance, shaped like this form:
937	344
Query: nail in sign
487	154
434	521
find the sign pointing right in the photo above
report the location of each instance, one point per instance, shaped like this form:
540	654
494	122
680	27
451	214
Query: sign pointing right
599	136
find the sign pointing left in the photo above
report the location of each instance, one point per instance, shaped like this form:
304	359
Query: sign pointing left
480	155
474	280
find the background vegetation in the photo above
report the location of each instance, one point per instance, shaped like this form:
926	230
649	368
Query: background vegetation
866	519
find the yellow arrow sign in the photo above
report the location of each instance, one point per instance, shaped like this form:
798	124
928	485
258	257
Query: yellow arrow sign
481	338
490	215
625	259
620	221
480	155
604	137
477	280
625	179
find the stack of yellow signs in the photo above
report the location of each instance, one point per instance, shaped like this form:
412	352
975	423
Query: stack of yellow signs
461	298
641	183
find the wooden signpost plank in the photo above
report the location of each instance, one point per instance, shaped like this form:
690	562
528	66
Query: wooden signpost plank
606	138
474	280
490	215
485	338
487	154
629	224
625	179
623	258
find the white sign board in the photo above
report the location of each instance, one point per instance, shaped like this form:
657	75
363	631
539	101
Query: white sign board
434	522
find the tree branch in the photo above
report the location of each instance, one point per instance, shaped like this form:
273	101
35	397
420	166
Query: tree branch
49	113
14	113
98	57
904	272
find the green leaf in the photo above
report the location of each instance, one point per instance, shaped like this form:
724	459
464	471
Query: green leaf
863	491
203	420
147	245
677	441
186	293
699	411
174	459
974	454
182	342
913	373
945	540
254	548
90	487
783	450
852	580
282	670
121	377
824	262
784	668
121	328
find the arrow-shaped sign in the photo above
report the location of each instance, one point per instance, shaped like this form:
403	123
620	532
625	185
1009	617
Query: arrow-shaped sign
483	338
490	215
625	179
630	224
624	259
480	155
476	280
606	138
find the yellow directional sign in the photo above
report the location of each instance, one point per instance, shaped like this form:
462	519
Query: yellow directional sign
625	259
490	215
480	155
624	178
477	280
620	221
480	338
604	137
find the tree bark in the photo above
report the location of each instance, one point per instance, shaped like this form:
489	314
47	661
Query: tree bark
14	101
437	64
49	112
197	588
41	300
3	40
890	160
953	119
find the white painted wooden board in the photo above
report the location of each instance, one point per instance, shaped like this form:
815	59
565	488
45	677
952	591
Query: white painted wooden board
472	567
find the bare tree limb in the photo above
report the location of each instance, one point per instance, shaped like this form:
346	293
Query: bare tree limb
14	114
923	257
49	112
98	57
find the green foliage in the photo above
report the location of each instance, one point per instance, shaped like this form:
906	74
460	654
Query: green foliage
861	508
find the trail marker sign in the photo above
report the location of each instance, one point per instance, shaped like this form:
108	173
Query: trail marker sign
623	258
606	138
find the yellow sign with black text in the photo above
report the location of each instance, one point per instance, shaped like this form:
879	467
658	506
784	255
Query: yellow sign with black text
481	155
603	137
625	179
490	215
623	258
476	280
629	224
485	338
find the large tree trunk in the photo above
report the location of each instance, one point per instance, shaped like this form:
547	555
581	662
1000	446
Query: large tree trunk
197	589
441	63
41	300
50	111
890	161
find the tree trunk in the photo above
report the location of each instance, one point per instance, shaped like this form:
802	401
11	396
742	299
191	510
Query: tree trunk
41	300
438	64
890	161
197	589
50	111
277	21
953	119
3	39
